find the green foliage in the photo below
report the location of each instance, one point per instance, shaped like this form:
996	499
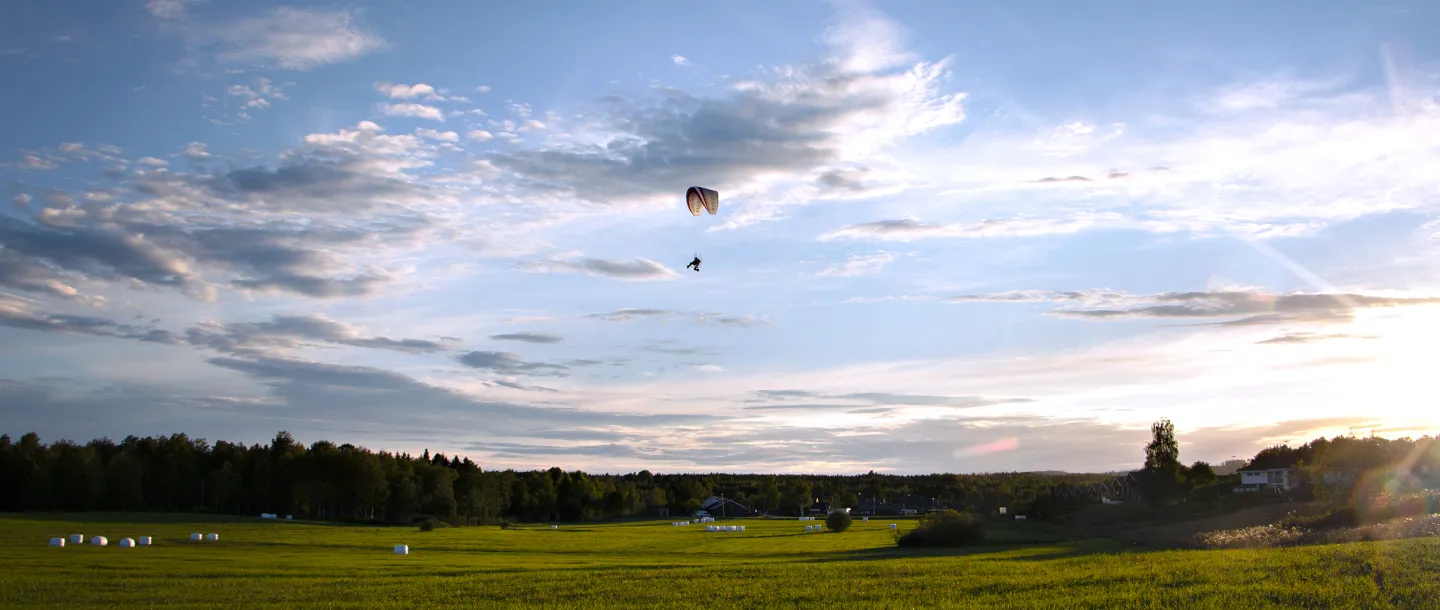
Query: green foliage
1162	477
838	521
945	529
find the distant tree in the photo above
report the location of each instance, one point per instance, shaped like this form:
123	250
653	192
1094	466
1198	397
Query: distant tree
1200	473
1161	479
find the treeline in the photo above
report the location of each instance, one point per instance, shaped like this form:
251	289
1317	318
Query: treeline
346	482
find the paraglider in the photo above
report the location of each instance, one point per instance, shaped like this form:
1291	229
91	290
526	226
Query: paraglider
700	198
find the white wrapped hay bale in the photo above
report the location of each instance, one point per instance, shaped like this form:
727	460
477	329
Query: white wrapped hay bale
195	537
892	526
77	538
808	528
742	528
401	549
864	518
127	543
212	537
554	527
99	541
57	542
144	541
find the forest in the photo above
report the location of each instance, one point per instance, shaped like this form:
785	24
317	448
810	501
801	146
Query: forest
349	483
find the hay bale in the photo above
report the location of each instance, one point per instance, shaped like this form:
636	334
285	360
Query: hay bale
554	527
144	541
99	541
289	517
892	526
742	528
57	542
864	518
212	537
401	549
196	537
77	538
808	527
127	543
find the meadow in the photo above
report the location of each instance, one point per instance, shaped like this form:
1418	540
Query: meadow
280	564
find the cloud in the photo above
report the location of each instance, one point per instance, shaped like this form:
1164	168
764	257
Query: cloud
629	269
479	135
859	264
1248	307
288	332
442	136
710	368
417	111
905	230
528	337
702	318
1294	338
196	151
405	92
887	399
169	9
765	140
508	363
290	38
680	60
22	314
152	161
21	201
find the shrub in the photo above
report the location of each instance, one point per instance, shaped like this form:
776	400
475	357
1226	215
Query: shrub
428	524
945	529
838	521
505	524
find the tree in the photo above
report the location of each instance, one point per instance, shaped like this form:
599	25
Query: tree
1161	478
1200	473
838	521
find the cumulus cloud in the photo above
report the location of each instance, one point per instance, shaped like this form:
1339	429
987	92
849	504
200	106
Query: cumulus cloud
416	111
290	38
628	269
405	92
479	135
767	136
680	60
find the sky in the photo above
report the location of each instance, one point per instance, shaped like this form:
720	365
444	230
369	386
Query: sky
952	236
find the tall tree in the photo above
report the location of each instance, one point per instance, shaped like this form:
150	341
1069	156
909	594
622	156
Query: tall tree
1161	479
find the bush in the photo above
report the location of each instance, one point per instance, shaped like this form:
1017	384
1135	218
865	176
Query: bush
428	524
838	521
505	524
945	529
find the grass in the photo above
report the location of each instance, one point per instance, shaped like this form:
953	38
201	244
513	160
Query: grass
260	564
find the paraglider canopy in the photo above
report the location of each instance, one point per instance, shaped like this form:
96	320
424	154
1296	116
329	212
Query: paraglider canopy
698	197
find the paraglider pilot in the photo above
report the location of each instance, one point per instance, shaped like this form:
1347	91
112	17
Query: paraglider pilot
695	263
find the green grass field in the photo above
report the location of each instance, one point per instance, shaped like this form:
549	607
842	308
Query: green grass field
279	564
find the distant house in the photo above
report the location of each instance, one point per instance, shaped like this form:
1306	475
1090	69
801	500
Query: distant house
716	505
1254	479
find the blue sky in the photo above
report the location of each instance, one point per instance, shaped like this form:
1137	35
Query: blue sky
952	236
